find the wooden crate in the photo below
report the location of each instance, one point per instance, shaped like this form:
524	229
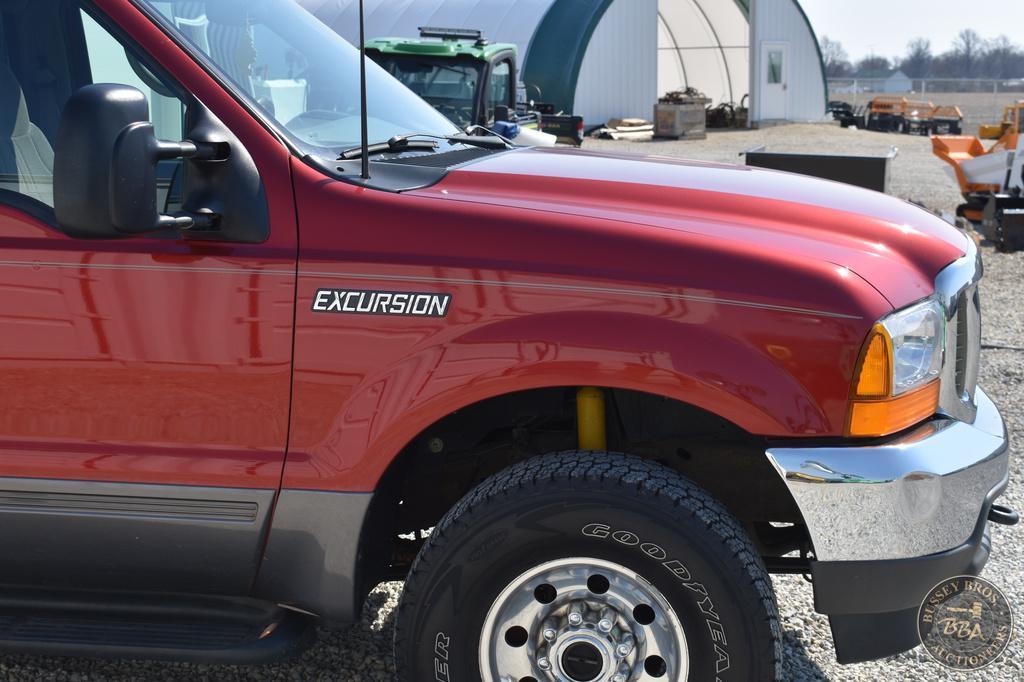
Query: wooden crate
686	119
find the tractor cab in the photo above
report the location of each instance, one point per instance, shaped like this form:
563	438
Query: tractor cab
466	77
474	82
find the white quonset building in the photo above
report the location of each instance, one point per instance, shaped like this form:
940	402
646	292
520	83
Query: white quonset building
612	58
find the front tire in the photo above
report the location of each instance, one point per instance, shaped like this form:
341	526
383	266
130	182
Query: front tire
587	566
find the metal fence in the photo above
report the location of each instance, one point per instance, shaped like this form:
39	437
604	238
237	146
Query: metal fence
924	86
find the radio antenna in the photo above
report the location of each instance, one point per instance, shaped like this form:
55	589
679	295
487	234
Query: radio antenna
364	140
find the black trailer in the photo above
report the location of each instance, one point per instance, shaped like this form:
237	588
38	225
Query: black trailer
870	172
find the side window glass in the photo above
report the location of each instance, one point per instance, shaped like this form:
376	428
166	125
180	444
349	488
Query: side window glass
501	84
28	107
46	53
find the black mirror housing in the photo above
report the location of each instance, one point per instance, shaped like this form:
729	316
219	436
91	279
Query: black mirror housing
133	180
136	154
105	173
104	177
90	125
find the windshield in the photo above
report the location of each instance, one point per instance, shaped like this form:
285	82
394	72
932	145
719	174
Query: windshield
448	85
299	72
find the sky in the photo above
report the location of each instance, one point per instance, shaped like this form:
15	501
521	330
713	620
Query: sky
884	27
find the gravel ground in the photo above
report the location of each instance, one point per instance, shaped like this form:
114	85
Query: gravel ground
916	173
363	651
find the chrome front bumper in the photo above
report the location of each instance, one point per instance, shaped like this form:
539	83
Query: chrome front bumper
918	494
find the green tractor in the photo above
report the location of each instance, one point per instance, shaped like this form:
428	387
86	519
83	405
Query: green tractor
472	81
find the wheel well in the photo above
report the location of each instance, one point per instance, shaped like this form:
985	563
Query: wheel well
454	454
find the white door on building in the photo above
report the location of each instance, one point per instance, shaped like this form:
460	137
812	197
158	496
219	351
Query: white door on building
774	80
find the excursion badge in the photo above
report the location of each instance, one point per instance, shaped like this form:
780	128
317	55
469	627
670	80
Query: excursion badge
364	302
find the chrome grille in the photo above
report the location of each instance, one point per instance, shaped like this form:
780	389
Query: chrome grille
957	289
961	344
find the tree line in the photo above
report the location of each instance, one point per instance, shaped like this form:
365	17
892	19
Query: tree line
970	56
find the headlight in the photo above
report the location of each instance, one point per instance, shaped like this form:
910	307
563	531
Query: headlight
918	334
895	383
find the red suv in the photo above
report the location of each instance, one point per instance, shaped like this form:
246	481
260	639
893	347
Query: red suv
583	404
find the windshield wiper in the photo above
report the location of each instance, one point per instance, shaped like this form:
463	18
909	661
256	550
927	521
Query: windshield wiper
489	141
398	143
402	143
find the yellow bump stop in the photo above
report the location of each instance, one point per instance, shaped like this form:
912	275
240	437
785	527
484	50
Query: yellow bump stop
590	419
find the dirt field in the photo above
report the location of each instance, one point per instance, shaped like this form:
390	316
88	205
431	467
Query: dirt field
977	107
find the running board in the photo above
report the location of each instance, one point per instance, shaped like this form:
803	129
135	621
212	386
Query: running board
197	629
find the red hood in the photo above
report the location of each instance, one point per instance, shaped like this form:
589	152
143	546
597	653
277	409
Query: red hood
894	245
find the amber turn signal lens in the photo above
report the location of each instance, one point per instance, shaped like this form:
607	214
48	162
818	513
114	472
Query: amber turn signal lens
874	371
872	418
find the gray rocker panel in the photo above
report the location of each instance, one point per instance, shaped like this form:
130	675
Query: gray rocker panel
128	536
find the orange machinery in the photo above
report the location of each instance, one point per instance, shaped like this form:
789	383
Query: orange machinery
917	116
892	113
994	131
990	179
947	117
886	113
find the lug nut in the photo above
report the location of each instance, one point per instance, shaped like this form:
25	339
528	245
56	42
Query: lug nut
543	663
618	677
607	621
625	645
575	614
549	629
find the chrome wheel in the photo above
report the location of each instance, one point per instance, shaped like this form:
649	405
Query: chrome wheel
582	620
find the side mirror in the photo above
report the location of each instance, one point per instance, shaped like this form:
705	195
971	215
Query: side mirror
105	159
133	189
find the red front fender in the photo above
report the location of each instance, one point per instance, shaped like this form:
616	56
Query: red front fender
350	421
